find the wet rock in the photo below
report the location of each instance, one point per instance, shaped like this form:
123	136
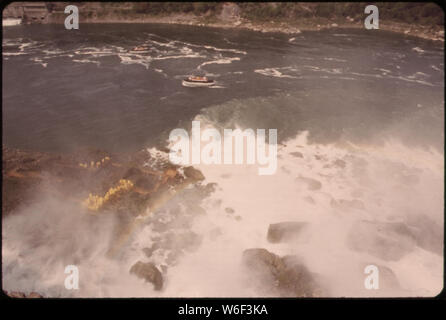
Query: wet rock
149	251
209	188
192	173
285	277
229	210
297	154
149	273
284	231
427	233
140	179
126	185
389	241
284	169
311	184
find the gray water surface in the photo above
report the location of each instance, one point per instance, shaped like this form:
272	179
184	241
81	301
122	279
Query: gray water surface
64	89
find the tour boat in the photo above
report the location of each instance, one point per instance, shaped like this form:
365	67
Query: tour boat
198	82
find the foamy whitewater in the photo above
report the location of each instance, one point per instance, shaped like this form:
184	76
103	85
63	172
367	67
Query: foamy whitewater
360	159
314	184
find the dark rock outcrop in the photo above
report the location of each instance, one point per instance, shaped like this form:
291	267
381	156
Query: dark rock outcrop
125	184
297	154
283	276
149	273
283	231
191	172
427	233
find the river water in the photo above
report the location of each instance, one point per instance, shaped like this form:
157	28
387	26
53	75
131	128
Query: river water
358	111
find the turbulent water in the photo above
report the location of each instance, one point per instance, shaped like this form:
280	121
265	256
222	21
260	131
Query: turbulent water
360	124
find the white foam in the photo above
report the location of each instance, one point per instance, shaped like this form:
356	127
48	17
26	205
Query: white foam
219	61
373	173
418	49
274	72
87	61
40	61
436	68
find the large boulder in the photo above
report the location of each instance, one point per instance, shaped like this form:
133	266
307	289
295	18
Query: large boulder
282	276
149	273
284	231
194	174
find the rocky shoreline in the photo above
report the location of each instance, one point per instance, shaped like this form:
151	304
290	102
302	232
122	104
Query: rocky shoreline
418	20
286	27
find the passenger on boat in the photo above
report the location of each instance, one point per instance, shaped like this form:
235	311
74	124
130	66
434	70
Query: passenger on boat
198	78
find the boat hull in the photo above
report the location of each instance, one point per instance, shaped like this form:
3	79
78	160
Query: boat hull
188	83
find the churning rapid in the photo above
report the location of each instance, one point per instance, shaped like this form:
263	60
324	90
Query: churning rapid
360	158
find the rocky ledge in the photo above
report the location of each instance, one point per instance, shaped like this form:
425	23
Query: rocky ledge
130	185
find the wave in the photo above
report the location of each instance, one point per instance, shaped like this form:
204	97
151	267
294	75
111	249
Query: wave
274	72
